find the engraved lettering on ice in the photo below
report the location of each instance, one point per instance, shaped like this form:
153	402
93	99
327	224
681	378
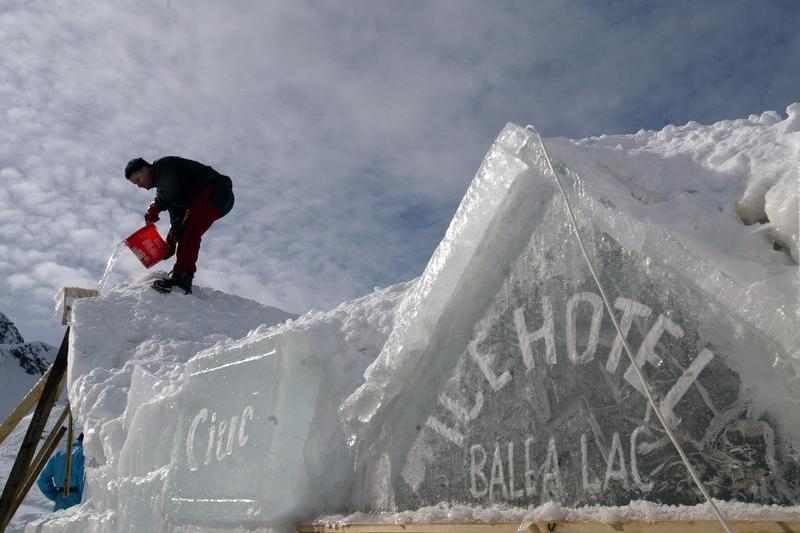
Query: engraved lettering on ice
492	470
221	438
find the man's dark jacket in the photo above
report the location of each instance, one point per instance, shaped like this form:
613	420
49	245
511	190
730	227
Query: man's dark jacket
178	181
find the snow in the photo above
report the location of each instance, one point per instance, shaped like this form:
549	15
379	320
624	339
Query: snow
745	168
639	511
210	412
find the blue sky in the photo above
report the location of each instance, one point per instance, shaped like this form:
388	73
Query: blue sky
351	129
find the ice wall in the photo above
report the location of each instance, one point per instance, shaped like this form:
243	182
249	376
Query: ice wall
505	382
192	430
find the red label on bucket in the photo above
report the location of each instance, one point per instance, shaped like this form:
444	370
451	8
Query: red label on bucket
147	245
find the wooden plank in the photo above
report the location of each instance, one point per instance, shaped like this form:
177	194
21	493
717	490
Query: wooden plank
27	449
44	453
24	407
67	297
68	469
670	526
38	464
412	528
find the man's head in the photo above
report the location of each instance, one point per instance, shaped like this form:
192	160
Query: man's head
137	171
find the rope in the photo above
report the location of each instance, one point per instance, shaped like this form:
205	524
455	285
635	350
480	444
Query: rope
628	351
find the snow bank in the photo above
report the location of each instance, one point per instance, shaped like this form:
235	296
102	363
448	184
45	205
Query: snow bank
695	180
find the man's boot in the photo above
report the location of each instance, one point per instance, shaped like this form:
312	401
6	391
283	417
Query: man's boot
182	281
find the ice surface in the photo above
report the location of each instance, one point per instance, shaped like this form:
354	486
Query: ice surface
235	449
253	454
133	327
505	381
782	209
188	427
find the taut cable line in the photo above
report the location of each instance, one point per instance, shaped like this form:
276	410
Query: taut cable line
628	350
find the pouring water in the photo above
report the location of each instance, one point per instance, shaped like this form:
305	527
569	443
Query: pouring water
112	260
146	244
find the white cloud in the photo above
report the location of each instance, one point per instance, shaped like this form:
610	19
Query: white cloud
350	130
20	282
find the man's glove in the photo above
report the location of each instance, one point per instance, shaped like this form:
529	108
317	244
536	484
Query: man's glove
151	215
172	243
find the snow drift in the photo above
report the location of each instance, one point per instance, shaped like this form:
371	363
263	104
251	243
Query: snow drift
496	377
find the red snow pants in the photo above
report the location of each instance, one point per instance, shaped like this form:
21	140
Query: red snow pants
199	217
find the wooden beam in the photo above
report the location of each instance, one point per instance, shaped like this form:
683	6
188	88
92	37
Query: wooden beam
67	296
44	454
68	469
666	526
24	407
27	449
38	464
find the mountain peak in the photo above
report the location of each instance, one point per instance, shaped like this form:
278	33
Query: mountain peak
9	334
21	364
33	357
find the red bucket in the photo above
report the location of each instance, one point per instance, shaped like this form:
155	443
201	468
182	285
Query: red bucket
147	245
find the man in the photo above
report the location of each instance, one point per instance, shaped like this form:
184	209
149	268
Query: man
195	195
51	480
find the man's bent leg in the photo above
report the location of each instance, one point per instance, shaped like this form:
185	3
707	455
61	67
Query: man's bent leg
199	221
199	218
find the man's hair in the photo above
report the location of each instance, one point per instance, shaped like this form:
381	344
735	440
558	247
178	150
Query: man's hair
134	165
80	437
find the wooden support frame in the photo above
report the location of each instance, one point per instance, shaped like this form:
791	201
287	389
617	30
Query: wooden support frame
24	407
22	465
41	459
46	452
66	298
666	526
